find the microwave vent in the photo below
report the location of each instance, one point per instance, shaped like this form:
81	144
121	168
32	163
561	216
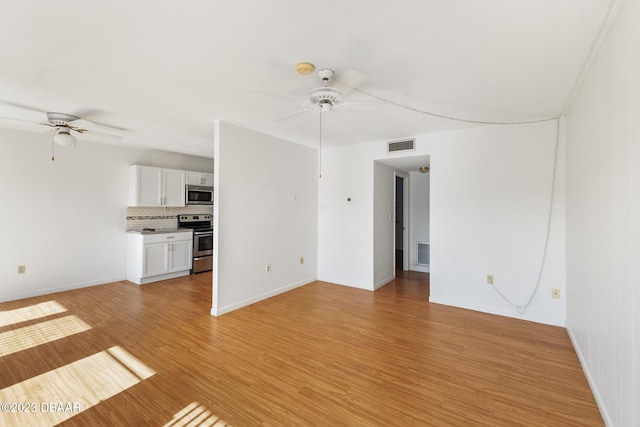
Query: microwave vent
401	145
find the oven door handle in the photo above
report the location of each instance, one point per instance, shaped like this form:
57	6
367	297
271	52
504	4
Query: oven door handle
203	233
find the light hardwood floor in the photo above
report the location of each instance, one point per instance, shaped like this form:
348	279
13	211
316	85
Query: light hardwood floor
321	354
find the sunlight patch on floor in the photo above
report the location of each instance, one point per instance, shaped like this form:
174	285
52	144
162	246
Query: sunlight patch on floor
138	368
194	415
60	394
32	312
33	335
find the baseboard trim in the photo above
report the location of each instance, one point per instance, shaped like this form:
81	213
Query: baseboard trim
383	282
55	290
260	297
420	268
594	390
512	315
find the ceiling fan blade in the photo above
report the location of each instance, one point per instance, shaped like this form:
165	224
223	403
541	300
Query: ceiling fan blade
291	115
28	125
96	133
81	123
20	109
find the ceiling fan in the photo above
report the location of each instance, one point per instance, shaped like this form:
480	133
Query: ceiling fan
65	127
325	97
330	95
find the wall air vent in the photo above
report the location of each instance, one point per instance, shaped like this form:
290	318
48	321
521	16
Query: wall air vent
401	145
424	256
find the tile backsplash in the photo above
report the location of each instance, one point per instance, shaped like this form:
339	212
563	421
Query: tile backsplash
160	217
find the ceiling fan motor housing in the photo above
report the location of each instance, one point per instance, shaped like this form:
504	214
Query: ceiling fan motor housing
325	95
61	119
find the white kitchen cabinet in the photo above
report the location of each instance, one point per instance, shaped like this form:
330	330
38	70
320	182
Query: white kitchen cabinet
180	255
154	259
173	184
199	178
158	256
151	186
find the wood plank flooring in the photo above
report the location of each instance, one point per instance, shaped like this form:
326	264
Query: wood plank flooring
321	354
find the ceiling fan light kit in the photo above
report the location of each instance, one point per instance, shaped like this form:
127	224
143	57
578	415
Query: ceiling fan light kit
63	125
64	137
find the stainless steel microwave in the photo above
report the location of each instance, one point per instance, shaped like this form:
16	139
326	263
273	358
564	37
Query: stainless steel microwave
198	195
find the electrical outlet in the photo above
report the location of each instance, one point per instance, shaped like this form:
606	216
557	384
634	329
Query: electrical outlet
22	269
555	293
489	279
267	268
301	260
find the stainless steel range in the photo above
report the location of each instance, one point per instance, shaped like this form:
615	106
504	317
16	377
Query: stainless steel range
202	227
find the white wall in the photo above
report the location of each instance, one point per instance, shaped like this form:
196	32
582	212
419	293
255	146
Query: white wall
383	224
603	222
265	213
489	197
65	220
345	228
490	192
418	216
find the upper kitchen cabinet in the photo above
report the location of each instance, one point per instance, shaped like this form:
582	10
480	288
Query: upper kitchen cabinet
151	186
199	178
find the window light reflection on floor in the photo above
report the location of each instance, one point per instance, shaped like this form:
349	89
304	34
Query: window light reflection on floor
194	415
31	312
74	388
26	337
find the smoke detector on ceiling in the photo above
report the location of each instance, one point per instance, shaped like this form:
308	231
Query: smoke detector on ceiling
305	68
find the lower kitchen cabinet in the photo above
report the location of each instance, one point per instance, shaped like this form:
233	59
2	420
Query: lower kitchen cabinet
159	256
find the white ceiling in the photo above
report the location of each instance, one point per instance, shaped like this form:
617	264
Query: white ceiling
162	71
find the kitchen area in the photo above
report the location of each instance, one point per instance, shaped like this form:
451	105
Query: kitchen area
169	223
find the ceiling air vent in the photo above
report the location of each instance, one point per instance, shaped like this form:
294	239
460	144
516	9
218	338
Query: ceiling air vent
402	145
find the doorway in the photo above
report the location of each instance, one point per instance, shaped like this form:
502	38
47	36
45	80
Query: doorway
401	233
